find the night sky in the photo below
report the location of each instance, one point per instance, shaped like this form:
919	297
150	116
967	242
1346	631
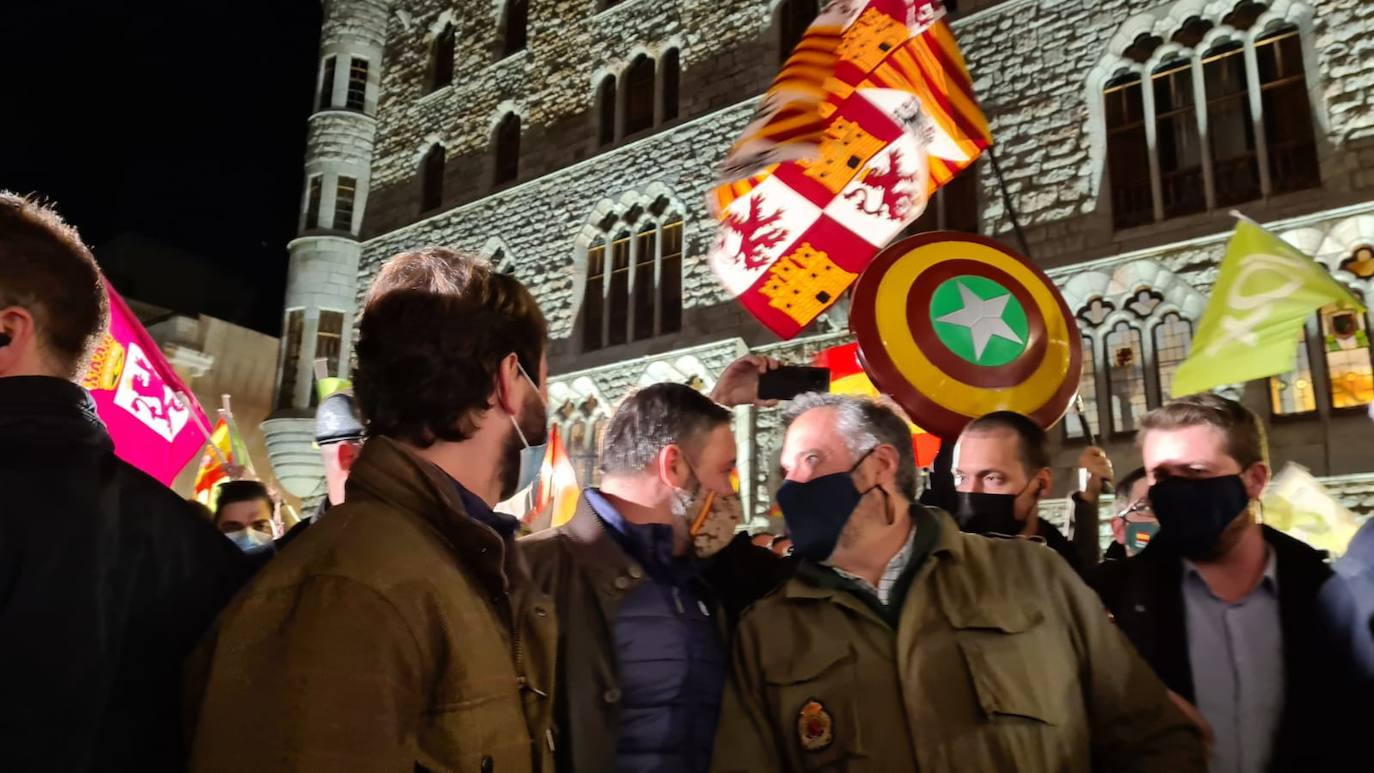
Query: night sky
183	122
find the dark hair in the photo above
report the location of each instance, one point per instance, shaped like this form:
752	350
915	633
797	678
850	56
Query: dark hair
1123	486
435	327
1245	440
1034	448
241	491
45	268
654	418
865	423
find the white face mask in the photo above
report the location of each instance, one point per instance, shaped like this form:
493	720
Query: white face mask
531	457
249	540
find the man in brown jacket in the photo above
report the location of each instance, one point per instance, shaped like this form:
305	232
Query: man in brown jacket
905	644
401	632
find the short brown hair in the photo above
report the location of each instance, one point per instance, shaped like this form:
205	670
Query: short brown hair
1034	443
435	326
47	269
1245	438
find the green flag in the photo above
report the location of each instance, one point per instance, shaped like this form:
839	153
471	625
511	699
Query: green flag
1264	293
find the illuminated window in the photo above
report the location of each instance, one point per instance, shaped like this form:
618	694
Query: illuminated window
1125	377
1287	112
328	343
1292	393
636	288
1128	157
593	299
645	259
618	297
1172	338
1087	389
1176	132
670	278
343	203
1346	341
1230	129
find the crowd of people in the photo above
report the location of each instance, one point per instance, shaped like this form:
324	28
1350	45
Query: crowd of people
409	625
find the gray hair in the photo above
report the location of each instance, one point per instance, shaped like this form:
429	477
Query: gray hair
865	423
654	418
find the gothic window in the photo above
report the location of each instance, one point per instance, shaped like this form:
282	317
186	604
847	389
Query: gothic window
1176	131
1095	312
618	296
1087	389
326	99
1125	377
1230	130
516	26
794	16
432	179
329	339
1172	338
507	149
605	98
291	356
1346	341
634	285
1292	392
312	202
671	70
593	299
1287	111
1246	156
639	96
1144	302
1128	158
953	206
343	203
441	59
357	84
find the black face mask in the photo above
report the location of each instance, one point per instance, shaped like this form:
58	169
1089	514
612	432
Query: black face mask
982	513
1194	512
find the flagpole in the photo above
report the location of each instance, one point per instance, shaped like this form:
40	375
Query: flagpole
1006	201
204	430
236	435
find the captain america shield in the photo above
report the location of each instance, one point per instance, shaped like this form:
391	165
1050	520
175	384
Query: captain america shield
953	326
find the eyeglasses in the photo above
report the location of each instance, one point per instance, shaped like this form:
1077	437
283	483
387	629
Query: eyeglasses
1139	509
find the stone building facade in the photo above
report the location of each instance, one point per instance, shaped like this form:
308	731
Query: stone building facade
573	142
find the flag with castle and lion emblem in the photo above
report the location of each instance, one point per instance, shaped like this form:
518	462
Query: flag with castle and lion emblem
145	406
870	115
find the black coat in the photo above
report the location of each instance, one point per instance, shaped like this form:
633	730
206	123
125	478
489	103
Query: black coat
1145	594
107	580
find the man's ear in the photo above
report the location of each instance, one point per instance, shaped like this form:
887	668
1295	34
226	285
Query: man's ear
1046	480
1256	478
17	334
507	373
888	461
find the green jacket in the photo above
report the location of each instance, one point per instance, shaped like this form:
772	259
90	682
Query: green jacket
1001	660
397	634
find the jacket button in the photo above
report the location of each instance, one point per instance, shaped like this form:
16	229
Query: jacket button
611	696
635	572
622	582
541	611
488	764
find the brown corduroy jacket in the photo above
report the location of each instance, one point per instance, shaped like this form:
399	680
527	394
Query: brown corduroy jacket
398	634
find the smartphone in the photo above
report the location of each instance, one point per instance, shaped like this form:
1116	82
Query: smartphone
789	381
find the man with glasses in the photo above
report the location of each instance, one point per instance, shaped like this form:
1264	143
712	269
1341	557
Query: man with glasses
1134	523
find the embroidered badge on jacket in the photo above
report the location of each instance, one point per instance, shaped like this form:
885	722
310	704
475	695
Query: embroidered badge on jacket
815	726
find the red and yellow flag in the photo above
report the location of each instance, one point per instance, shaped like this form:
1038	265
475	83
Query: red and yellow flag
212	469
557	485
871	114
847	377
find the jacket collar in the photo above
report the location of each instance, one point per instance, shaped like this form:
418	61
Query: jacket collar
49	411
388	472
598	553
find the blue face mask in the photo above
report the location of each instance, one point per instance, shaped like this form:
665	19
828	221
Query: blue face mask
531	457
250	540
816	511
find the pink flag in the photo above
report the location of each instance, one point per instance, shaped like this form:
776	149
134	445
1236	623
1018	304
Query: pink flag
136	392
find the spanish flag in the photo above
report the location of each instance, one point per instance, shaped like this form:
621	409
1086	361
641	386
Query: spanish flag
556	490
847	377
212	469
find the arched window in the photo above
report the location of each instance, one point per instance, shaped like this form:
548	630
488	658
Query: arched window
1176	131
1345	338
637	287
1172	338
1292	393
1125	376
1128	157
671	70
594	298
639	96
441	59
515	27
605	108
1230	129
432	179
1087	389
507	142
1288	131
794	16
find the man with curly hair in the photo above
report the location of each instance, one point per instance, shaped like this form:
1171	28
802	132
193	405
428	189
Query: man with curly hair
401	632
